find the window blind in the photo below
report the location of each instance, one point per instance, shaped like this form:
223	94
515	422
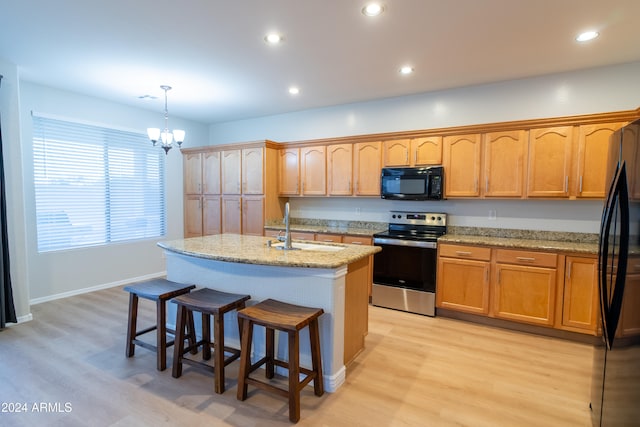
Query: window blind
95	185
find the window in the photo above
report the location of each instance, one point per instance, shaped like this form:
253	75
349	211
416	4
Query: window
95	185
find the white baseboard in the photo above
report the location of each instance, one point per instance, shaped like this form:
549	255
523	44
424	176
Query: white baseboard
35	301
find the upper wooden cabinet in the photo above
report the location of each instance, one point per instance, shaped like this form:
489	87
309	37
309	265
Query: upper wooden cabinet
504	163
202	173
289	171
461	160
313	171
192	164
367	168
412	152
339	169
253	168
549	161
232	171
592	159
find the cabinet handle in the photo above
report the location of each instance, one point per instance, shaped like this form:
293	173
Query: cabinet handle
498	279
415	156
580	191
525	259
486	185
486	275
356	243
566	183
328	240
199	188
463	253
406	157
349	184
569	271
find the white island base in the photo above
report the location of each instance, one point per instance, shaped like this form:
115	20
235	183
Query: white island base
335	290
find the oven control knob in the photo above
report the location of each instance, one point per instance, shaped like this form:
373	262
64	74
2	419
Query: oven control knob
439	218
433	218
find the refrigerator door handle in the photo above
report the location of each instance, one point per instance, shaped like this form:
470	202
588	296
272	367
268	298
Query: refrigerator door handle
611	302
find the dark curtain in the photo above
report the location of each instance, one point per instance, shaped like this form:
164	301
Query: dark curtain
7	309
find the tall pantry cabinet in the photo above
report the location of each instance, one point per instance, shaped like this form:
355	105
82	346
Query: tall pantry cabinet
230	188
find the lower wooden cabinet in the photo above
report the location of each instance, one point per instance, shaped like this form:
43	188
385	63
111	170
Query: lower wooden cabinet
463	279
630	314
537	288
580	311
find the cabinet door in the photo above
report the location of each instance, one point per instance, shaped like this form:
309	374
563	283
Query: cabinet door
630	314
211	215
313	172
396	152
463	285
524	294
549	162
339	169
367	168
580	301
192	216
253	215
253	170
231	214
289	171
192	163
461	159
592	160
211	172
504	162
231	172
426	150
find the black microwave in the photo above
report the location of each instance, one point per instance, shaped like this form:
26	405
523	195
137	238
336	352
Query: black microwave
421	183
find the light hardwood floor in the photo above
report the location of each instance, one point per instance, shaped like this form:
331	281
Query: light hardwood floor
415	371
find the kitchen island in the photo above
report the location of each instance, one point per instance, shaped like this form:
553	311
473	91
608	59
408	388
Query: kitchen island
332	277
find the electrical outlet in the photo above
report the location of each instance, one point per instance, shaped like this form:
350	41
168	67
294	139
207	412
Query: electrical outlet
492	214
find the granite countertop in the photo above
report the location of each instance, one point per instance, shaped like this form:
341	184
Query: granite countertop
255	250
519	243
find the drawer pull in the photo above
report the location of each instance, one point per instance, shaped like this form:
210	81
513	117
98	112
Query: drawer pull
356	243
525	259
463	253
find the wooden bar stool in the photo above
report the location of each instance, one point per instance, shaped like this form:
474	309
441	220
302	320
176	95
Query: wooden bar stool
160	291
291	319
209	303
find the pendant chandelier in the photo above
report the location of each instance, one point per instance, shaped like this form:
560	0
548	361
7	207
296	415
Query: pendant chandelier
165	136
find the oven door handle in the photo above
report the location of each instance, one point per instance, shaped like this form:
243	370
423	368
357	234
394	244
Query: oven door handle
400	242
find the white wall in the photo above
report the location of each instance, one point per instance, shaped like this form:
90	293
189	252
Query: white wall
598	90
64	273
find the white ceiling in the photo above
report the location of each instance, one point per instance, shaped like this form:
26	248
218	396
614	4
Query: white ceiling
213	54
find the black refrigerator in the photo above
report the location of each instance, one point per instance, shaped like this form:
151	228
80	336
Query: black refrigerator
615	385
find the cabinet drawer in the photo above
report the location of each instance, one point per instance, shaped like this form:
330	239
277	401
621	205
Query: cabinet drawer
329	238
356	240
467	252
538	259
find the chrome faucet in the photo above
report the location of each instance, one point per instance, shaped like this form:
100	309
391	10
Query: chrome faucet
287	230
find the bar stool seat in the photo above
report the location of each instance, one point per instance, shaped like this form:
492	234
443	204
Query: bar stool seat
160	291
210	303
289	318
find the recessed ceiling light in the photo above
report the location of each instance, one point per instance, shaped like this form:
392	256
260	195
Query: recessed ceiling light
273	38
373	9
293	90
587	35
406	70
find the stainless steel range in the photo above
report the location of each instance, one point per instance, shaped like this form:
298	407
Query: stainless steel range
404	272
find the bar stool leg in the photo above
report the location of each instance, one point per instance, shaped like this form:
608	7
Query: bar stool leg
245	358
294	377
131	326
178	346
270	351
314	336
206	336
218	336
161	333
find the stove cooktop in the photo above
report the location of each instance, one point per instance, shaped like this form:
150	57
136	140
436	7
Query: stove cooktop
417	226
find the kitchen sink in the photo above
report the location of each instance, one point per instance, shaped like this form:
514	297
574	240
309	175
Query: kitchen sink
310	247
